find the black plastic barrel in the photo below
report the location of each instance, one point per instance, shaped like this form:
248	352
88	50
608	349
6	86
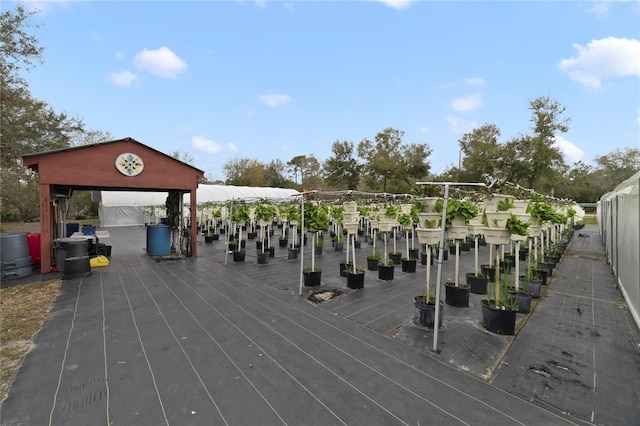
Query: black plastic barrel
69	247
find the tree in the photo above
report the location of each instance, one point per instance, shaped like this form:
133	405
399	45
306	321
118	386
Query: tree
616	167
244	172
577	184
275	174
28	125
18	49
538	153
185	157
415	165
90	137
389	166
342	171
309	168
295	166
482	153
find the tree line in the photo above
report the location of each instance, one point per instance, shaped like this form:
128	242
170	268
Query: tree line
384	164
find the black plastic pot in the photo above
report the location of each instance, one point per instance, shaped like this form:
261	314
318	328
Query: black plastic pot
311	278
396	258
283	242
534	287
457	296
523	299
497	320
385	272
409	265
372	264
293	253
424	314
238	256
343	268
263	258
477	284
414	253
355	280
423	259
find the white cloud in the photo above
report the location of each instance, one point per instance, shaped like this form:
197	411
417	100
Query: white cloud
459	125
397	4
273	99
474	81
162	62
570	151
423	130
123	79
232	147
598	8
466	103
204	145
603	59
120	55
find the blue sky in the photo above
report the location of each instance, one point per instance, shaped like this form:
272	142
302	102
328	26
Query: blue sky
275	79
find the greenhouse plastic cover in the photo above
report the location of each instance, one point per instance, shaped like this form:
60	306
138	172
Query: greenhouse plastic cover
125	208
619	220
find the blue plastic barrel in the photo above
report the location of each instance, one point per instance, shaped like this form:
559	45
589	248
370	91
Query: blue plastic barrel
158	240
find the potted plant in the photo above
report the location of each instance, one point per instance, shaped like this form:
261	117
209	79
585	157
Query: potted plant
499	313
385	265
518	226
239	216
355	275
283	240
265	212
337	217
424	305
391	214
499	310
408	263
316	220
293	215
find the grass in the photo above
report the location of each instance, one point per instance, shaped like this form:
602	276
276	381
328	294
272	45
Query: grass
23	309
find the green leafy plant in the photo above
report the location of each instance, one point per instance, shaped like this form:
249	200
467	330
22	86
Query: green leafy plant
337	213
506	204
516	226
316	219
541	211
265	211
391	211
465	208
430	223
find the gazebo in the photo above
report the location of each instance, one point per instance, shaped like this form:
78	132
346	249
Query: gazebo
119	165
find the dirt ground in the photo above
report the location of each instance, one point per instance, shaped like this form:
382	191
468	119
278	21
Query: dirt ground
23	309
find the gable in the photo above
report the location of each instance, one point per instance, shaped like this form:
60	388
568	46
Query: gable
95	167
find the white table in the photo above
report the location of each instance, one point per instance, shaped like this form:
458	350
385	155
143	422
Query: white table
99	234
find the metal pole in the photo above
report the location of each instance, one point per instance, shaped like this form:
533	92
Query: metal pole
436	323
301	242
226	242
